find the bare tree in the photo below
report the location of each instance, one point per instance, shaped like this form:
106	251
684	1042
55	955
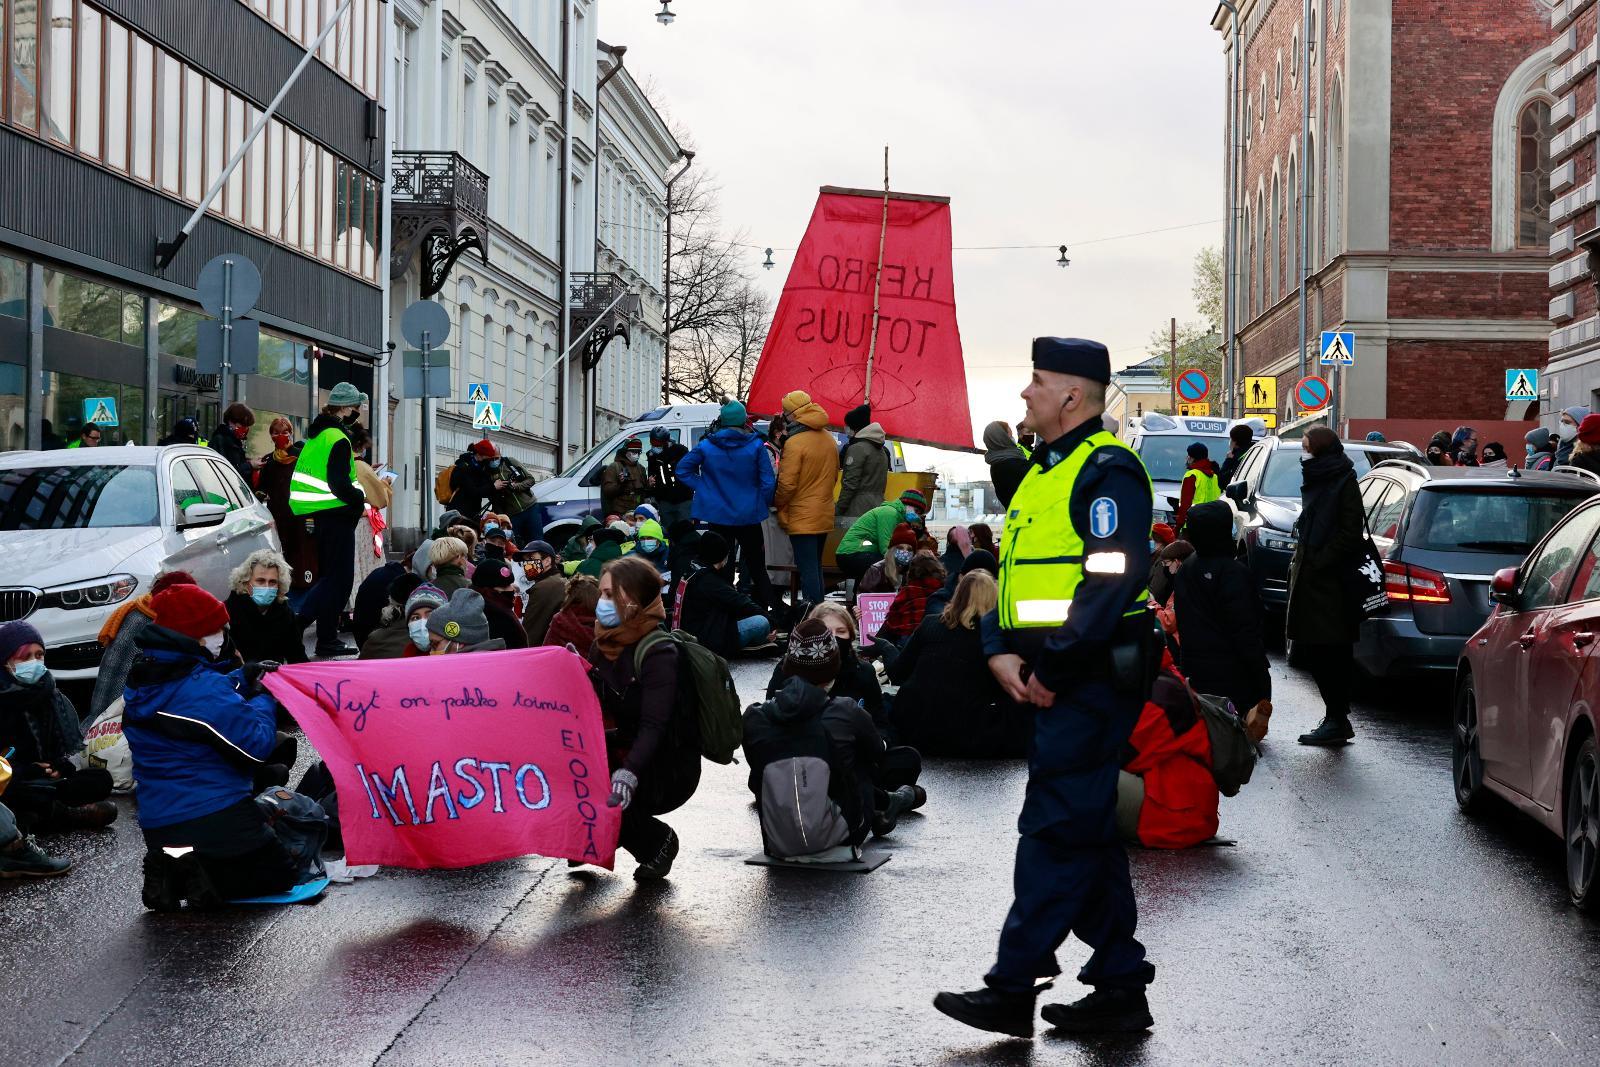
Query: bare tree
713	365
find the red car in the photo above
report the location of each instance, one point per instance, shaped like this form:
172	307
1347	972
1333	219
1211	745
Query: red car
1527	688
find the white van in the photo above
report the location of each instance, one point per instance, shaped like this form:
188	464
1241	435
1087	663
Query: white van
1163	441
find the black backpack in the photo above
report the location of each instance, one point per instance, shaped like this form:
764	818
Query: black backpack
705	683
1233	757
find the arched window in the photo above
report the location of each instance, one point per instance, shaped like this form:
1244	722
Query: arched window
1291	229
1309	173
1261	258
1248	244
1335	180
1533	176
1274	246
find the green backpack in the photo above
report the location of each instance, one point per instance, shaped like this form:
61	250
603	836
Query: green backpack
704	681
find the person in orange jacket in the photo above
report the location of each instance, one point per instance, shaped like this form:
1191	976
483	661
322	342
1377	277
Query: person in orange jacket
1166	795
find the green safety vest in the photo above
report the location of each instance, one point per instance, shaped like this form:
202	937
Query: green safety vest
308	485
1206	488
1041	552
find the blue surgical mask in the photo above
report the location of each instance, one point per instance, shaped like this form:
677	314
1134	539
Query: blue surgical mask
1529	448
656	450
29	671
912	514
264	594
606	613
417	630
649	544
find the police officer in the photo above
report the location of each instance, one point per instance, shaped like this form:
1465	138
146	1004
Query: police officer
324	486
1072	637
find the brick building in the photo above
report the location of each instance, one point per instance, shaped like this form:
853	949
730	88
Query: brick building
1574	347
1424	177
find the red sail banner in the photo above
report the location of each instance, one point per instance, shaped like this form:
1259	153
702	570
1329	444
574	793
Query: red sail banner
820	335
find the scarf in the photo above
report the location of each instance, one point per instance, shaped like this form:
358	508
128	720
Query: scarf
1323	476
108	632
613	641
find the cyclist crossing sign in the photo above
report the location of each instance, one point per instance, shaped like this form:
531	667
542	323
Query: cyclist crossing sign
1522	383
486	414
1338	349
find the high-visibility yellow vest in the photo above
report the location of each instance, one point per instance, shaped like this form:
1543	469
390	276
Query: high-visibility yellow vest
308	485
1206	488
1041	552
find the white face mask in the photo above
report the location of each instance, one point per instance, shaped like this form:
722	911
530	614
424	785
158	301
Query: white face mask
418	630
212	643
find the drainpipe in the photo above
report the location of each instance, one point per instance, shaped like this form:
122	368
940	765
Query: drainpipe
1230	363
564	197
1305	182
617	51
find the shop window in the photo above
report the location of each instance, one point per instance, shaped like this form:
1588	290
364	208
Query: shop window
86	307
63	406
176	329
13	288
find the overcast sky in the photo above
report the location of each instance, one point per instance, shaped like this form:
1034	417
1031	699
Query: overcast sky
1045	122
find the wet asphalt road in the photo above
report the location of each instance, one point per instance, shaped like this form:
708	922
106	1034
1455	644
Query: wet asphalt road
1360	919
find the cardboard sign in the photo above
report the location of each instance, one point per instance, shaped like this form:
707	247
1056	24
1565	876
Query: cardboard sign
873	609
452	761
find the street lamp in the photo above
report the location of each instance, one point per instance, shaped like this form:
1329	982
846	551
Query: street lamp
1063	262
769	264
666	14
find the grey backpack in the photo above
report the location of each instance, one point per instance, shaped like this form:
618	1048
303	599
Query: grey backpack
798	818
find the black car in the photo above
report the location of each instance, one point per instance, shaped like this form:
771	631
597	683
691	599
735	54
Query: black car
1266	488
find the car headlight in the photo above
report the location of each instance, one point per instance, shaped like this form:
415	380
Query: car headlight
1275	540
95	593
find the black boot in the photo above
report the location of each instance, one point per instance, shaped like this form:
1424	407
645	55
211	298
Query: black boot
1105	1011
1332	730
901	801
660	865
990	1009
163	888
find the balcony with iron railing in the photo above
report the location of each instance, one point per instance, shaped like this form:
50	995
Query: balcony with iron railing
440	206
607	298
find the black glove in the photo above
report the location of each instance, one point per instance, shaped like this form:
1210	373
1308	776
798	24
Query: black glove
253	673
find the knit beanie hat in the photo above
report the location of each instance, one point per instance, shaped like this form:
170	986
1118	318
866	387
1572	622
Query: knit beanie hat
913	498
461	620
981	559
484	449
1589	430
13	635
795	400
856	418
1199	451
813	653
425	596
712	548
189	610
903	535
401	588
492	574
733	414
166	581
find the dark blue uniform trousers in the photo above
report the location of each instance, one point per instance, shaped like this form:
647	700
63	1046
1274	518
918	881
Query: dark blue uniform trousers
1072	868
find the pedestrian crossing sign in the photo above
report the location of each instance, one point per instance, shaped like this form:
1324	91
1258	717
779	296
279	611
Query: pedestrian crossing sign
486	415
1338	349
1522	383
100	411
1261	392
477	391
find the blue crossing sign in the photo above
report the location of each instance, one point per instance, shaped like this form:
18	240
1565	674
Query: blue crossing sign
100	411
477	391
486	414
1338	349
1522	383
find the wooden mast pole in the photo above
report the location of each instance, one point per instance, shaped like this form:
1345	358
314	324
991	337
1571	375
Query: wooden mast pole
877	277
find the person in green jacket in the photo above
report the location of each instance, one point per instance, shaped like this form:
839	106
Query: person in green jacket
867	539
607	547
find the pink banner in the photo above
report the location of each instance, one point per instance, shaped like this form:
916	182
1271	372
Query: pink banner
873	609
452	761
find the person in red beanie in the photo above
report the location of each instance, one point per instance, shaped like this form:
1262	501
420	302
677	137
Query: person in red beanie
202	742
886	575
1586	452
122	626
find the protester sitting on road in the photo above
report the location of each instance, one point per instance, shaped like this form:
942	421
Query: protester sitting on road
804	729
468	536
1541	449
574	623
709	607
856	680
863	465
886	575
461	625
372	597
262	624
608	544
1222	648
543	596
579	545
449	555
1493	456
733	482
979	560
1165	564
391	638
1008	463
924	577
650	544
117	637
656	760
412	622
868	538
227	440
1166	794
201	742
20	854
806	479
983	539
39	728
949	703
495	543
957	546
496	583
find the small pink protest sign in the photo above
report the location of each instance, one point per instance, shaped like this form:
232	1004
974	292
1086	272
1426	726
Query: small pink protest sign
452	761
873	609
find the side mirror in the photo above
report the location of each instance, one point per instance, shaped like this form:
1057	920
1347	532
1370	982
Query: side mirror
196	515
1503	590
1238	492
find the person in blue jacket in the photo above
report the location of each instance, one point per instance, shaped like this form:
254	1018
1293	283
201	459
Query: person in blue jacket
733	482
200	735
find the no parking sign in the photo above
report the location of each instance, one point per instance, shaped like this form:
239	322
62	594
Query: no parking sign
1193	385
1312	393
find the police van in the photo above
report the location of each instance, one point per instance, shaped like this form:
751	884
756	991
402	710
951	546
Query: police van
1163	441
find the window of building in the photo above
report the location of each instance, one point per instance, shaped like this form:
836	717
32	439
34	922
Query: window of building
1334	7
141	112
170	133
115	51
1294	58
1291	214
1274	249
1533	176
1309	207
23	63
1277	85
1261	258
13	288
1334	242
1249	119
86	307
1251	303
89	64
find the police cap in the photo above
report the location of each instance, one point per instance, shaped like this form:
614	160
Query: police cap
1073	355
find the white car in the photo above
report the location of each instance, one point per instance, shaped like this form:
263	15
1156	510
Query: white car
84	529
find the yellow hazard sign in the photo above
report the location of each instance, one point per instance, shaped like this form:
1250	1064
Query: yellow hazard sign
1200	408
1261	392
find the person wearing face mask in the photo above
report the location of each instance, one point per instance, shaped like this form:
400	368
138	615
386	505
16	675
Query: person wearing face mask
709	607
1464	446
229	437
924	577
391	637
867	539
546	590
623	482
461	625
1493	456
886	575
1540	444
325	487
650	543
1567	430
273	480
672	496
117	635
40	728
263	625
497	584
201	739
655	762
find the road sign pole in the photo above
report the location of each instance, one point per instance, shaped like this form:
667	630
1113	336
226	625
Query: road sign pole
425	490
224	386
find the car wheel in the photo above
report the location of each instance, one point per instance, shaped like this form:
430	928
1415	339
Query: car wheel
1466	759
1583	827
